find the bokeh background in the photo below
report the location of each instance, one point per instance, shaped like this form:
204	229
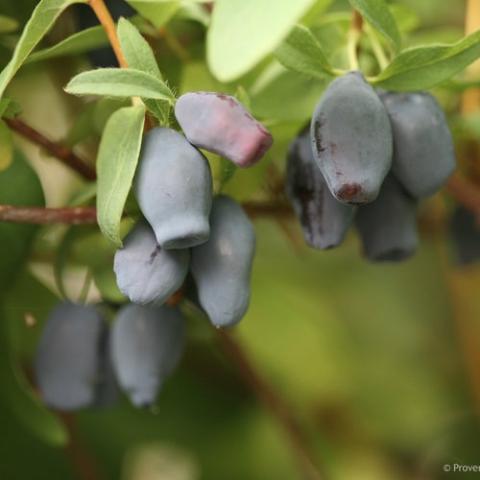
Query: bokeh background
380	364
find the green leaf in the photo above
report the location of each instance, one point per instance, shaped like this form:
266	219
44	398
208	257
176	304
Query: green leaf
77	43
19	185
42	19
6	146
105	281
161	110
140	56
243	32
116	164
302	53
157	12
378	14
103	111
137	51
426	66
119	82
406	17
85	195
7	24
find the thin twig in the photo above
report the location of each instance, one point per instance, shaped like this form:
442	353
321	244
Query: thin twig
275	404
43	216
106	20
82	461
377	48
65	154
88	215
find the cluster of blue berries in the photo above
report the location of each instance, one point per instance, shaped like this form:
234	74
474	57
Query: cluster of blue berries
368	158
80	360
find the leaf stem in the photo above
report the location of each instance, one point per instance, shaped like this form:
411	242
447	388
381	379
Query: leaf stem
377	48
65	154
87	283
354	36
106	20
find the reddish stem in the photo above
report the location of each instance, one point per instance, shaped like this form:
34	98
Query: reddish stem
41	216
66	155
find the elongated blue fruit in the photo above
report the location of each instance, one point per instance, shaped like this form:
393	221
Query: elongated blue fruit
222	266
352	139
147	343
68	364
424	156
147	273
465	234
387	226
220	124
174	189
324	220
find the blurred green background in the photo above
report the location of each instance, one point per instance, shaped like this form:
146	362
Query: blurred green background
380	363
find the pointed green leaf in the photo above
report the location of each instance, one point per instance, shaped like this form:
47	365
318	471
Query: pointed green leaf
157	12
140	56
79	42
137	51
378	14
19	185
302	53
243	32
119	82
426	66
42	19
116	164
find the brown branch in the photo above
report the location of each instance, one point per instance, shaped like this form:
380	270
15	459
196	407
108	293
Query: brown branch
42	216
82	461
88	215
461	189
104	17
275	404
66	155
